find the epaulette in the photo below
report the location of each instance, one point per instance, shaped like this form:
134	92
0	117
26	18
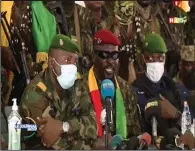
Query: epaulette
42	86
78	76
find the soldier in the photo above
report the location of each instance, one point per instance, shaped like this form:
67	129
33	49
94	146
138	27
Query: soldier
125	104
172	34
135	19
153	85
189	27
56	95
186	77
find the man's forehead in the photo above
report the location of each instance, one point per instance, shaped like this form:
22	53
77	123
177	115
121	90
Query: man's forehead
188	62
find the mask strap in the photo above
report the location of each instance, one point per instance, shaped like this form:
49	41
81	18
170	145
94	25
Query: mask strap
57	64
55	72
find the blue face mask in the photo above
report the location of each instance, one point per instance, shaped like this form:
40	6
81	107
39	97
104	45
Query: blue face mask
68	75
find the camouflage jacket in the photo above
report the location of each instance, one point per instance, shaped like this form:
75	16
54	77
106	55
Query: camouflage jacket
189	32
86	25
40	98
134	23
172	33
130	103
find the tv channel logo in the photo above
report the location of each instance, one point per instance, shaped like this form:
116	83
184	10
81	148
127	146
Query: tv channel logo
177	20
29	127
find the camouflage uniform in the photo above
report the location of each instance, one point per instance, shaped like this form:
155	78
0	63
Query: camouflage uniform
174	30
21	26
86	24
189	33
4	84
134	23
40	98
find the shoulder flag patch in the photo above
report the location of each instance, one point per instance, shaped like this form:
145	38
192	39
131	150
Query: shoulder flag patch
42	86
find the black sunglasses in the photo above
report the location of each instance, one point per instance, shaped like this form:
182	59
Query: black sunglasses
106	55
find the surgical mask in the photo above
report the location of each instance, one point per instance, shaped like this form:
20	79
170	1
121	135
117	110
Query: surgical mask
155	71
68	75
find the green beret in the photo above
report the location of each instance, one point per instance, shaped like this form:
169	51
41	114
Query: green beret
154	43
63	42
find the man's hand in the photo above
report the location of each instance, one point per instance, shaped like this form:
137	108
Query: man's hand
50	130
100	142
4	145
187	139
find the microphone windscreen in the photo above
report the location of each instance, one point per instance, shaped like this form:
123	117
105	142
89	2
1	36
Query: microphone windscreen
152	108
146	137
107	89
116	141
132	143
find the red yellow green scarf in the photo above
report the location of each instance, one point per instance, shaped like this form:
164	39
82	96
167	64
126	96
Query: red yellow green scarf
121	124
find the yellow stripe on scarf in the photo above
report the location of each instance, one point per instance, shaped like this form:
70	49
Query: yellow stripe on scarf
92	81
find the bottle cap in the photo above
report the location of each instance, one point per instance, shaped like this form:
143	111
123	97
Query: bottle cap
14	106
185	103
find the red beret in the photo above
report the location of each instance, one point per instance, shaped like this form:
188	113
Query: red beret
105	36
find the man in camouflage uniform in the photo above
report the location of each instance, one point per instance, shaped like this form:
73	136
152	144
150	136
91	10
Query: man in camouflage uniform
106	64
189	28
136	19
172	34
59	102
186	76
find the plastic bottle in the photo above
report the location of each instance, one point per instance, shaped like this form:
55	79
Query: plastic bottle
186	119
14	134
193	127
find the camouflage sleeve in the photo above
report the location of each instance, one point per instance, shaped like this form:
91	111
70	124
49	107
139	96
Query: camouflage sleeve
133	120
32	103
85	126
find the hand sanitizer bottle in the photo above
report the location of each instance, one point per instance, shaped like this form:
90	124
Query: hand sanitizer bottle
193	127
14	133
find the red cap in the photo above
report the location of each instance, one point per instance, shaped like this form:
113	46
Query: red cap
105	36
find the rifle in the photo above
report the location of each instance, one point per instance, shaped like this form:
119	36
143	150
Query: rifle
55	7
168	29
19	55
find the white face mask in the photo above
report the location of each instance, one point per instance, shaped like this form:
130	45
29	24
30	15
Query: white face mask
155	71
68	75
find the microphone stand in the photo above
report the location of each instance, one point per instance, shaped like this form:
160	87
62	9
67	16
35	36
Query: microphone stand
154	129
106	135
108	124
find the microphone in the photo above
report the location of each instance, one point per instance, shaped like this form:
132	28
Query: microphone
107	93
152	112
144	140
132	143
116	142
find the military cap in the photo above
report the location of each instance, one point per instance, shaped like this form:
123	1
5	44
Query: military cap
105	39
154	43
63	42
188	53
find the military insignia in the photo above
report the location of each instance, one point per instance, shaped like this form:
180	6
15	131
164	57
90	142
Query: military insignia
42	86
61	42
146	44
78	76
98	40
